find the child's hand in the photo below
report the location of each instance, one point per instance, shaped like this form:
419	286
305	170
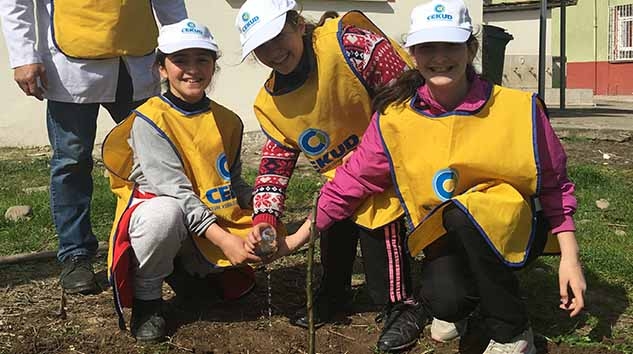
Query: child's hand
262	241
236	250
572	285
571	281
233	247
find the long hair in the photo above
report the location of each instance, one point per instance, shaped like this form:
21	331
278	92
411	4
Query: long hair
408	83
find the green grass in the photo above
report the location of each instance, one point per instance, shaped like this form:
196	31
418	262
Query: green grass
38	233
608	264
606	256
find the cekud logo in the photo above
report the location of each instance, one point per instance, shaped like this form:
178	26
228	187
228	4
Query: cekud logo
444	183
225	192
439	14
222	166
191	28
248	21
316	144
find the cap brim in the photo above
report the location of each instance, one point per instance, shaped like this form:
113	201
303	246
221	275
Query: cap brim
170	48
438	34
269	31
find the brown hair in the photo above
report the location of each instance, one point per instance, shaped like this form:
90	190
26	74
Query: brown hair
294	19
408	83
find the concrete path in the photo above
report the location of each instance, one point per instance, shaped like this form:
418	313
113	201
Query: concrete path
614	118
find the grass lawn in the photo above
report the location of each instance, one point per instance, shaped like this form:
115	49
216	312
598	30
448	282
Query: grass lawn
605	237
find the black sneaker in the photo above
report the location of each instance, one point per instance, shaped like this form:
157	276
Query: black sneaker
403	323
148	324
326	308
77	276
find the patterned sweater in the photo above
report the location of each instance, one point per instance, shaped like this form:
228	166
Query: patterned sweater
376	60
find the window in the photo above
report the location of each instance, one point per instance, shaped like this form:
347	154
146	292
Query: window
621	33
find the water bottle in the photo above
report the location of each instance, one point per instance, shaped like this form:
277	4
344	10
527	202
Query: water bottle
267	245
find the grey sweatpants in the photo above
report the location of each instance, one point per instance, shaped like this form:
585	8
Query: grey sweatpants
158	234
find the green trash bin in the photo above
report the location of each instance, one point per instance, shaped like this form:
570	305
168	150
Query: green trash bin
493	52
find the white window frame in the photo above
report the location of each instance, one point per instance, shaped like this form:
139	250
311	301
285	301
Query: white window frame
621	33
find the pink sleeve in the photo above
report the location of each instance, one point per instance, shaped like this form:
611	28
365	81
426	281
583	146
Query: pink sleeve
557	191
367	172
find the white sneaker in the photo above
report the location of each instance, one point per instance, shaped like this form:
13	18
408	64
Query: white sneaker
443	331
521	344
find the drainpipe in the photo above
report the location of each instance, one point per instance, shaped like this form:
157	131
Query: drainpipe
563	52
542	49
595	47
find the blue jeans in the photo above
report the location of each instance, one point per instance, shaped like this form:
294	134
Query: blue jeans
71	131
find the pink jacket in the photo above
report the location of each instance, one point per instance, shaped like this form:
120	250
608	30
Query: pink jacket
368	171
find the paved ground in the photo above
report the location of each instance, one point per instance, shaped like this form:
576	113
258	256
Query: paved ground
608	117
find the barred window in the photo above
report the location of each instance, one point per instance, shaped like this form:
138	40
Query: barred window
621	33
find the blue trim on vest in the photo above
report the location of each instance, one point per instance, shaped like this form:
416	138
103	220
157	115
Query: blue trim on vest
415	98
539	172
339	37
161	133
393	179
280	143
492	246
179	110
112	280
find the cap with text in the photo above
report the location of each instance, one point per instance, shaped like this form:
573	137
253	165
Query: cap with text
185	34
440	21
259	21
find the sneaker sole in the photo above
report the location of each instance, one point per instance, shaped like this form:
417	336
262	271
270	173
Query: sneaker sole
400	347
84	289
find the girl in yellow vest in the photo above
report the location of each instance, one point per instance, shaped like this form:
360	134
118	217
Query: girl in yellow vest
317	102
175	167
481	176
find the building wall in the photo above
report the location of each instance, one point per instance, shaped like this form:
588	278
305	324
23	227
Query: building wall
22	121
521	56
587	49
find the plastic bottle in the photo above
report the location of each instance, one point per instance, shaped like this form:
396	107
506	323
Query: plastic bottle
267	245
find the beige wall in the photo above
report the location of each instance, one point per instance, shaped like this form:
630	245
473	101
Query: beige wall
521	60
22	121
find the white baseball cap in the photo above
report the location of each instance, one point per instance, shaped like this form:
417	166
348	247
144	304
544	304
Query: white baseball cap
259	21
440	21
185	34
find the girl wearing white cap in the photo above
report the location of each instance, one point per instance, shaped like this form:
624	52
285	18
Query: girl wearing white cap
479	207
175	167
317	102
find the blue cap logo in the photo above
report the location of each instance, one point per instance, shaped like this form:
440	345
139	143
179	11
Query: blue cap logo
222	165
191	25
444	183
313	141
439	8
246	17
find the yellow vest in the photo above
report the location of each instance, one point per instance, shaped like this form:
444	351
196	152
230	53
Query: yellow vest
326	117
207	143
100	29
486	163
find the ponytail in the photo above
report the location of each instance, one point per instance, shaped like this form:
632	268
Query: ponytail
403	89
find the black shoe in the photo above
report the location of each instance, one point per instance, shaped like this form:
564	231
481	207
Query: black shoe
325	309
77	276
148	324
403	324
